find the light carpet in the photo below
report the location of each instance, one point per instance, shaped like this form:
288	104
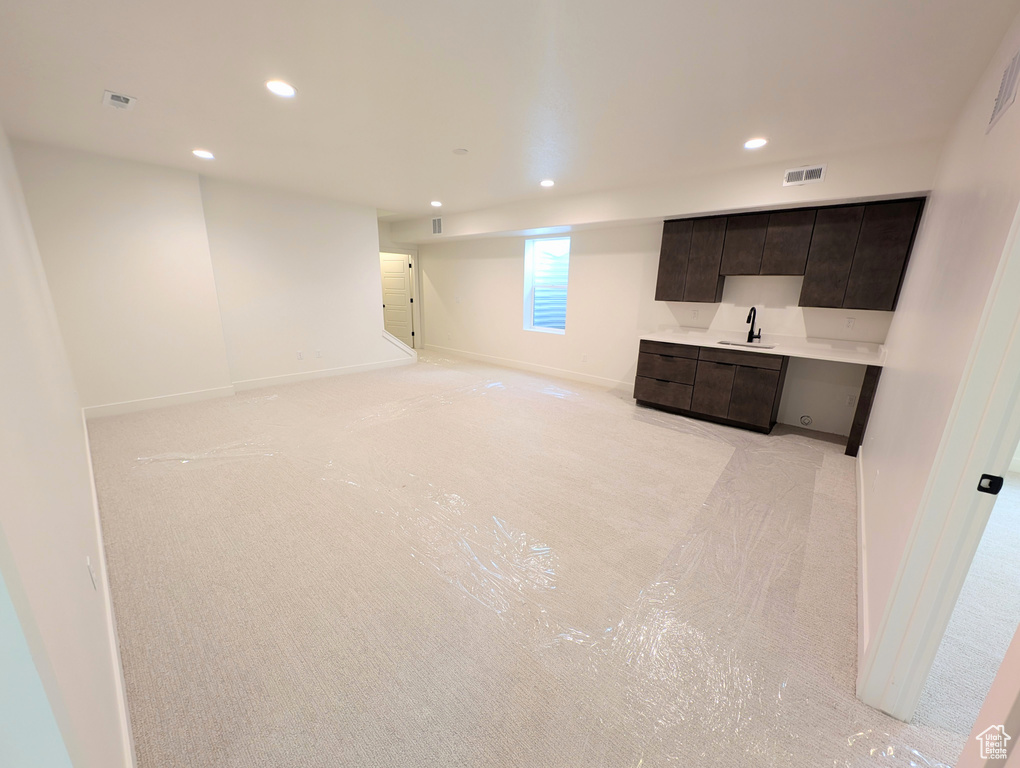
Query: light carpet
452	564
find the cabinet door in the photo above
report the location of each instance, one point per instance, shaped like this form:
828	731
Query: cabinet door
676	247
742	247
787	242
753	395
830	256
881	255
712	386
704	283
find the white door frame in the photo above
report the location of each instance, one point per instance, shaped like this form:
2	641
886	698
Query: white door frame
980	437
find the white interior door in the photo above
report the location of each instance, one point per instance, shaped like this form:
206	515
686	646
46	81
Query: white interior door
396	290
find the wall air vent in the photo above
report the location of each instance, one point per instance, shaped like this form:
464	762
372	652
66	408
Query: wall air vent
118	100
1007	90
809	174
437	225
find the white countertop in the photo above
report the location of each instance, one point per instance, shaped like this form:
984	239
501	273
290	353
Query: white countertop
837	350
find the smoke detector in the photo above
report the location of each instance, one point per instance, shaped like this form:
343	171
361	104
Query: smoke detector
437	225
118	100
809	174
1007	90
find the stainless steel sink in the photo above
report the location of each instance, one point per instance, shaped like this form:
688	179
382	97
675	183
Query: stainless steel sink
746	344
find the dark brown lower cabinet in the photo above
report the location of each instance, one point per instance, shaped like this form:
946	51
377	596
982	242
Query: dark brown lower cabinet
742	389
731	386
754	396
712	388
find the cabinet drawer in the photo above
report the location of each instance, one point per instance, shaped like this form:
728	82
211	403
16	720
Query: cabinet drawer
751	359
667	393
665	348
678	369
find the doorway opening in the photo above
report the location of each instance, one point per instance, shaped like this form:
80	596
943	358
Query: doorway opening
982	624
398	285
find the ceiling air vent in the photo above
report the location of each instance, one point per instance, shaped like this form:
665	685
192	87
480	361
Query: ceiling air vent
118	100
1007	90
809	174
437	225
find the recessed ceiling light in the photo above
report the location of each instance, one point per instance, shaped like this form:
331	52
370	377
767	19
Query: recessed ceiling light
205	154
548	183
755	143
436	204
460	151
281	88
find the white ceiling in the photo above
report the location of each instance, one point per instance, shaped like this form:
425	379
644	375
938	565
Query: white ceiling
596	94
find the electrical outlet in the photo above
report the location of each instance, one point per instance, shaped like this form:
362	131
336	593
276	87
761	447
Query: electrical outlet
584	358
850	323
318	353
694	314
300	355
850	400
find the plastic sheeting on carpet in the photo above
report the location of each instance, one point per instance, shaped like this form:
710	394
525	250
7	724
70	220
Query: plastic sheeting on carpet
515	571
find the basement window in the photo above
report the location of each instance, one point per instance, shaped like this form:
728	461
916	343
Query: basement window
546	264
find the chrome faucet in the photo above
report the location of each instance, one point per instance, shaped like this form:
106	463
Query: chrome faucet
751	335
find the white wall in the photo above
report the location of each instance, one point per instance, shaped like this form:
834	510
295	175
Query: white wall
876	172
169	287
125	251
48	524
473	303
389	245
958	249
295	274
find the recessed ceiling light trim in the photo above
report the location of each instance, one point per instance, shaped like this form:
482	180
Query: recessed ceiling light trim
756	143
548	183
436	204
204	154
281	88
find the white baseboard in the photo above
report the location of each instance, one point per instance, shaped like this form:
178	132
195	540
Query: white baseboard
399	344
862	559
112	409
291	378
1014	465
562	373
126	736
144	404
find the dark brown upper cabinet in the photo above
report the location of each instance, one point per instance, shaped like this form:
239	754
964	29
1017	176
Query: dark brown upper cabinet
787	242
831	256
744	243
704	282
673	255
851	256
882	249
